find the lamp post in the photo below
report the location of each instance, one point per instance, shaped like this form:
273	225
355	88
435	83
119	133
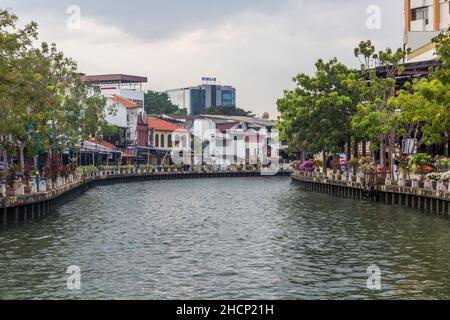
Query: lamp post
36	162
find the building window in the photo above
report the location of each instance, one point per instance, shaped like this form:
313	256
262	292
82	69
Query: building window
157	141
169	142
163	141
420	14
177	141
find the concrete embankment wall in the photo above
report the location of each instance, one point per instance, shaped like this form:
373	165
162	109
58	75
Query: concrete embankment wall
424	200
20	209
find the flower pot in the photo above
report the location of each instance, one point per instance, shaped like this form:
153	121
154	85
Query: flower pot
28	189
440	186
2	190
19	188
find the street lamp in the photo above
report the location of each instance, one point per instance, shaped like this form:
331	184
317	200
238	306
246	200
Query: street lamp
36	162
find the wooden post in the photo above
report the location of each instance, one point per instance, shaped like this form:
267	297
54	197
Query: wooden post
407	15
437	15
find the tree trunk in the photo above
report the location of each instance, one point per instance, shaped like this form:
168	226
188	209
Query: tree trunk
447	144
349	149
324	164
364	149
382	153
22	159
356	150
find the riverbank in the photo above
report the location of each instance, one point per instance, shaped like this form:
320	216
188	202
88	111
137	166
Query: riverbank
14	210
428	200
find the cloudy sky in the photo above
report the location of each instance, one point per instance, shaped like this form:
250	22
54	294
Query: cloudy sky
257	46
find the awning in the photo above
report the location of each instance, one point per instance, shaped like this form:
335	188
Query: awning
96	147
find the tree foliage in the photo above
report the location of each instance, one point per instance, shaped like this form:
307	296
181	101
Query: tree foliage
41	94
228	111
316	115
158	103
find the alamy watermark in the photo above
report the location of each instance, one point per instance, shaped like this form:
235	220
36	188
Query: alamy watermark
374	280
74	19
374	19
74	278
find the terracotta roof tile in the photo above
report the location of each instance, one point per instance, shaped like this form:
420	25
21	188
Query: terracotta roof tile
129	104
103	143
161	125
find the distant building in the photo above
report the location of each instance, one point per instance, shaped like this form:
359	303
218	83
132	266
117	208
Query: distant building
126	86
229	140
163	138
125	107
199	98
424	20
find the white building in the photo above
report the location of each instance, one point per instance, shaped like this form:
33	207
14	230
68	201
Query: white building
125	100
123	113
424	20
223	141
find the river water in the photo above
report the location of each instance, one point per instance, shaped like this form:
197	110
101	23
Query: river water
240	238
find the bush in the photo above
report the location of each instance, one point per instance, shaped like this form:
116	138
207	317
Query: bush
442	164
420	159
318	164
446	176
354	164
434	176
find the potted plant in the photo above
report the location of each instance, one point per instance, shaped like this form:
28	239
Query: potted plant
434	177
65	172
54	168
336	165
11	181
421	164
442	164
354	165
27	179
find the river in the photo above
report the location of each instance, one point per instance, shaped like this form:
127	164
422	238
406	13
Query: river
237	238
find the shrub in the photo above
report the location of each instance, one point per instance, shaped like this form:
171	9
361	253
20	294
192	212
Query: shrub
11	176
420	159
446	176
442	164
434	176
318	163
307	166
354	164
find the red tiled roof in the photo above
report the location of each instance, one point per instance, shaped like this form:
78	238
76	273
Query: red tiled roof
129	104
223	127
161	125
104	144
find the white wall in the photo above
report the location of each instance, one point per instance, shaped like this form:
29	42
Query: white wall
132	95
120	117
445	14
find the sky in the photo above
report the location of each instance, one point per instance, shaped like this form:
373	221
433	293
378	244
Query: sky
257	46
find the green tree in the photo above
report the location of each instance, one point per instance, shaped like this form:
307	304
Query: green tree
228	111
316	115
159	103
375	116
40	87
424	105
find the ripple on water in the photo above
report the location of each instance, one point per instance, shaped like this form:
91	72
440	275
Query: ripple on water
250	238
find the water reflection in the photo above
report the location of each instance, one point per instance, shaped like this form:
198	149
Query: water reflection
252	238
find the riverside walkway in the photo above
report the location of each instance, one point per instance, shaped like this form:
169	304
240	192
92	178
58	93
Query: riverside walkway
23	208
429	199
